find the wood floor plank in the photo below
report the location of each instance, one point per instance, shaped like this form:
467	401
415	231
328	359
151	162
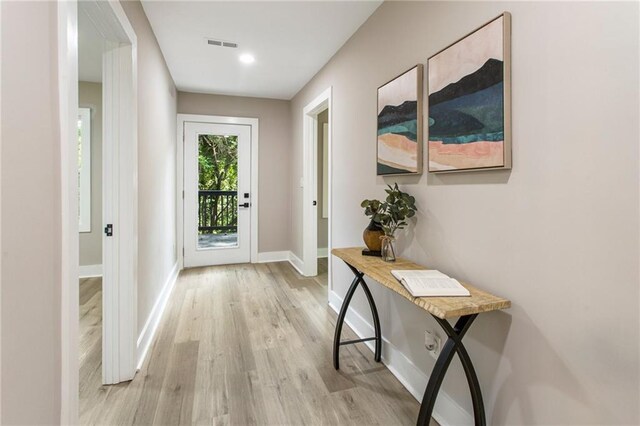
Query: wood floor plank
242	345
248	410
88	288
175	404
153	373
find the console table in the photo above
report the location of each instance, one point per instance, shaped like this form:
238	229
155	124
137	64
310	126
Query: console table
440	308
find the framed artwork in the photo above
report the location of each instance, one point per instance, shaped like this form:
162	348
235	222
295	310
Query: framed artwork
399	140
469	101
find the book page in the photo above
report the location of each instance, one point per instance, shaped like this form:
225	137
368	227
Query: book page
418	273
421	283
433	283
420	287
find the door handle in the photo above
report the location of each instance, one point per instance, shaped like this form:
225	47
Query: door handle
244	205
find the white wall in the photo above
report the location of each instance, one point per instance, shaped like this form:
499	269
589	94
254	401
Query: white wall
90	96
156	165
274	204
31	221
558	235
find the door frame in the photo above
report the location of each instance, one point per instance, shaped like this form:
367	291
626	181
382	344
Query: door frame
254	124
120	256
310	183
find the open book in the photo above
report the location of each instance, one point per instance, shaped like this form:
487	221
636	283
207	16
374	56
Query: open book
423	283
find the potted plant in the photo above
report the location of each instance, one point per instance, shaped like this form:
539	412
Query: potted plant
391	215
373	232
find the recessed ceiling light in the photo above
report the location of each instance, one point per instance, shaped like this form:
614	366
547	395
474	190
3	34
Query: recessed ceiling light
247	58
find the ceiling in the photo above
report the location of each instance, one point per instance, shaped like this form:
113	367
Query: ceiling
89	50
291	42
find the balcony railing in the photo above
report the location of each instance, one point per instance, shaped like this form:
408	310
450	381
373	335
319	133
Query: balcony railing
217	212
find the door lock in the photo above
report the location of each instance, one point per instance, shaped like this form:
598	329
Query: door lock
244	205
108	230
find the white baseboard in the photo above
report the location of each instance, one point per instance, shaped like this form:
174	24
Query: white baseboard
283	256
151	325
323	252
273	256
88	271
446	411
296	262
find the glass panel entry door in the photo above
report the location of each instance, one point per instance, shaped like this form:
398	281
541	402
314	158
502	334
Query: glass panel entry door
217	167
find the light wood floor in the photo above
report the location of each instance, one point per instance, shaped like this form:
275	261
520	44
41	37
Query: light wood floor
241	345
90	339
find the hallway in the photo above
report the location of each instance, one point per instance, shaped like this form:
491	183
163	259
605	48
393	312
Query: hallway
250	344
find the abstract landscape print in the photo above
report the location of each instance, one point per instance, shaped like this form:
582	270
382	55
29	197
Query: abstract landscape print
468	104
400	124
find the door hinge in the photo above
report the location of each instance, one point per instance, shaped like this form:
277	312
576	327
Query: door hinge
108	230
182	251
183	194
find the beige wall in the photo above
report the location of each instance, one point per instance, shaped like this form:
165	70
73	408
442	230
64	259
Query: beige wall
156	165
274	150
90	96
558	235
30	185
323	223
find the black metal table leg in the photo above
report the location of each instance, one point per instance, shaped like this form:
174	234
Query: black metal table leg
358	280
340	320
376	321
451	346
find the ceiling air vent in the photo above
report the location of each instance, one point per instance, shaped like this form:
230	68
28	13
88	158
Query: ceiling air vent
221	43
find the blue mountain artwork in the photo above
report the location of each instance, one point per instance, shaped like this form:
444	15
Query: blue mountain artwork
471	109
399	120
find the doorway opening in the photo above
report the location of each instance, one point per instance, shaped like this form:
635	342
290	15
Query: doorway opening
322	178
317	185
90	184
117	51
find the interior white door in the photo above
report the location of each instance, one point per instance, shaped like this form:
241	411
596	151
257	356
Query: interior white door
217	198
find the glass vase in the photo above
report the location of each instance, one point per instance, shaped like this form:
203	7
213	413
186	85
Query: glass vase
388	251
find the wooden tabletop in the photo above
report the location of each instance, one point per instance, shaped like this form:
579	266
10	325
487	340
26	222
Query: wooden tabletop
441	307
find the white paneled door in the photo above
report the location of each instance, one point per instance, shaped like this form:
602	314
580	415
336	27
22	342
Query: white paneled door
217	197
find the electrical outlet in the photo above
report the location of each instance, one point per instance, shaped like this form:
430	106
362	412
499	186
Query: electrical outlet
432	343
